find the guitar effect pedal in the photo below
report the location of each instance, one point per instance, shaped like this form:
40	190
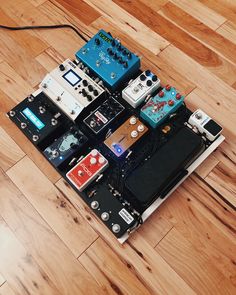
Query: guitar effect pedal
125	136
66	146
159	107
87	170
205	124
104	115
38	118
110	60
136	92
71	89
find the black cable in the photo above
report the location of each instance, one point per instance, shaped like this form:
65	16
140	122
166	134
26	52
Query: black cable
44	27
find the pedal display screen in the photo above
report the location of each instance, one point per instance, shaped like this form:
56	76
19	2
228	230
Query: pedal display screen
33	118
72	78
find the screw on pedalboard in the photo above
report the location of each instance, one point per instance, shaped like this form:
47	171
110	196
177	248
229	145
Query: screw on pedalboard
72	112
12	113
35	137
116	228
30	98
53	122
44	85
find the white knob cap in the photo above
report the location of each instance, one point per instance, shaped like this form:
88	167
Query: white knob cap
134	134
140	128
93	161
94	153
133	120
101	160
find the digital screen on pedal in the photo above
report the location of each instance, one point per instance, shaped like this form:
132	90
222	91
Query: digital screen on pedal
71	77
33	118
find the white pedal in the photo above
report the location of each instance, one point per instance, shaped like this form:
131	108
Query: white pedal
205	125
144	85
70	88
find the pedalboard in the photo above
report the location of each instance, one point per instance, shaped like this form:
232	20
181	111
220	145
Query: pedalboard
104	115
161	106
87	170
205	125
109	59
71	89
125	136
66	146
119	138
140	88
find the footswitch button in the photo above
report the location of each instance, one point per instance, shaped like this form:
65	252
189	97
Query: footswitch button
94	205
105	216
116	228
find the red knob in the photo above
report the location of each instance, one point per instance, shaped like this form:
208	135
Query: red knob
168	87
161	94
171	102
178	96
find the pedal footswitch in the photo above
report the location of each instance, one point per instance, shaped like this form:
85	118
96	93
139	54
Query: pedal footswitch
87	170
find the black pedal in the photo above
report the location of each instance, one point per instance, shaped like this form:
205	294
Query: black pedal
104	115
38	119
64	148
110	210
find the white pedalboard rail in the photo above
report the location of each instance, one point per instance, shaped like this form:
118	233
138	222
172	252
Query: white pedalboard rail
71	89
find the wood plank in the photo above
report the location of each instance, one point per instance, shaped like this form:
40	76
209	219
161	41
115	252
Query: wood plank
50	59
228	30
12	84
154	4
22	63
43	244
10	152
114	277
225	8
181	39
200	31
201	12
26	39
221	109
52	206
37	2
7	104
67	42
205	168
165	70
204	278
80	9
6	290
206	221
223	180
137	253
20	269
133	27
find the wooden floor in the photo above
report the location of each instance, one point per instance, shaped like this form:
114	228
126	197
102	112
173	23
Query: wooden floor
50	242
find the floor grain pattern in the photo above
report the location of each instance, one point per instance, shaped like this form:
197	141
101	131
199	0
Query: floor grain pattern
50	242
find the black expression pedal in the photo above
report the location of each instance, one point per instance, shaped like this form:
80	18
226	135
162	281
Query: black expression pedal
104	115
65	147
38	118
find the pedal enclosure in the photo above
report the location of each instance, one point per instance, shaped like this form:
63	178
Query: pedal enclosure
161	106
38	118
110	60
66	146
71	89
